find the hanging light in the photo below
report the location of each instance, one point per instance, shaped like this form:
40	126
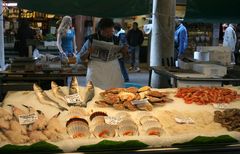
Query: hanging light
10	4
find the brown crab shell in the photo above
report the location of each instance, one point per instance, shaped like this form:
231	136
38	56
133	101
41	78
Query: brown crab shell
144	88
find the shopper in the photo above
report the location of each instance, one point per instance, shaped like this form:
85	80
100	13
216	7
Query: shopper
103	74
24	33
230	40
135	39
66	41
180	39
120	34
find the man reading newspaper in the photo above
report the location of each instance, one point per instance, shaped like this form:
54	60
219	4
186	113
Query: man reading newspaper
102	56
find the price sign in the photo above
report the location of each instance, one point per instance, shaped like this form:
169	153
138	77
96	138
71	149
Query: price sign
73	99
27	118
188	120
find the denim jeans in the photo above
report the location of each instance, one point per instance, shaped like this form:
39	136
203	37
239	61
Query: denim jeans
123	69
134	51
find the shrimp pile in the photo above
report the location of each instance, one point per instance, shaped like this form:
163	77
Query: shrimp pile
207	95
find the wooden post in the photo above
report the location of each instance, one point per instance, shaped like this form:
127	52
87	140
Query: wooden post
162	39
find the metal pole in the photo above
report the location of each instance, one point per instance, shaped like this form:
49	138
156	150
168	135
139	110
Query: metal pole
162	39
2	58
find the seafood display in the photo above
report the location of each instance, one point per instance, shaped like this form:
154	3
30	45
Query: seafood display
132	98
77	128
150	124
57	91
44	99
229	118
206	95
108	115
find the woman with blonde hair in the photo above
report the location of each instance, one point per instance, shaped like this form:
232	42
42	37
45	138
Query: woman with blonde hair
66	41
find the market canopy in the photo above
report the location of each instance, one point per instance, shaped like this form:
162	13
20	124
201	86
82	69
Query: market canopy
97	8
213	11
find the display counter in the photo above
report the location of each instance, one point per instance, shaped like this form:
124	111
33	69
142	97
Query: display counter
127	120
184	78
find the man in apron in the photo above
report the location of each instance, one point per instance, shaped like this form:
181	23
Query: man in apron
103	74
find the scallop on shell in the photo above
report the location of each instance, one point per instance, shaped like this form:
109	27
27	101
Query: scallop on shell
104	131
78	128
130	130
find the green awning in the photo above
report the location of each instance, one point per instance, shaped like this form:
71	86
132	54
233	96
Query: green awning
97	8
213	11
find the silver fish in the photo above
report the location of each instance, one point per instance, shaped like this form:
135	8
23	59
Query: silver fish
74	89
89	93
57	91
44	99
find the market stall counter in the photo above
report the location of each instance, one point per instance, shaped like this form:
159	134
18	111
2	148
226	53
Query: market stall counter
184	77
136	120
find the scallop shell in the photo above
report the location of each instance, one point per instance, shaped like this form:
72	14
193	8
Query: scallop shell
148	118
151	124
127	122
77	129
154	131
76	112
104	131
128	131
96	114
79	120
97	121
126	96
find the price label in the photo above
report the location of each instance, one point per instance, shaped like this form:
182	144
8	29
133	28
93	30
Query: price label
112	120
73	99
26	119
221	106
188	120
138	102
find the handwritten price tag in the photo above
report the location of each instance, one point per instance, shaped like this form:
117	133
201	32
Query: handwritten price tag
73	99
112	120
27	118
184	120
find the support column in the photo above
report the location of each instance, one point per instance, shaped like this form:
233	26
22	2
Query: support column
2	55
162	39
79	31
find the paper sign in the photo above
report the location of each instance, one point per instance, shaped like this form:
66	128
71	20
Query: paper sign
112	120
73	99
184	120
138	102
221	106
26	119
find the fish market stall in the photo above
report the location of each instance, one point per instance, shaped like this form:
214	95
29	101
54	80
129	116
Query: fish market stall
80	119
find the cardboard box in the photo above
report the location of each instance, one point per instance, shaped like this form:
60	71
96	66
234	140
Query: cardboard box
210	70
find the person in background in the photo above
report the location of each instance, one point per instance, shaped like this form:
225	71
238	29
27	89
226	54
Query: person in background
103	74
120	34
135	39
24	33
66	41
230	40
180	39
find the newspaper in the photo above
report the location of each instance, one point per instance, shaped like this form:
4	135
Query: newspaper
105	51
